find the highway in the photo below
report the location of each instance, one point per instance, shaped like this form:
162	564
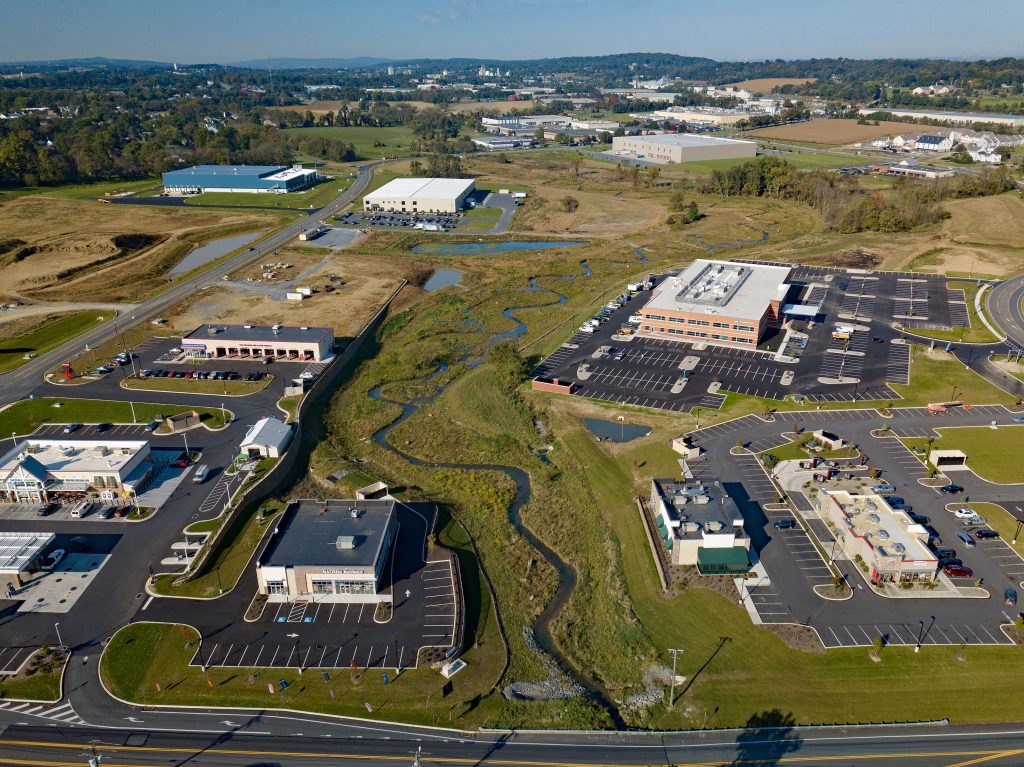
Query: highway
250	745
16	384
1006	309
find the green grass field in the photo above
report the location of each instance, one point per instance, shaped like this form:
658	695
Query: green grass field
42	685
487	213
82	191
47	336
315	197
195	386
370	143
26	416
993	454
797	159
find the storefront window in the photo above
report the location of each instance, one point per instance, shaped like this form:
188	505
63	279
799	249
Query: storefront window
275	587
323	587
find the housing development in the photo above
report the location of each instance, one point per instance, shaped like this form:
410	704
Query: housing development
627	409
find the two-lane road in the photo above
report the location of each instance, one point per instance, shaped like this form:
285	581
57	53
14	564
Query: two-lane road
1006	308
17	384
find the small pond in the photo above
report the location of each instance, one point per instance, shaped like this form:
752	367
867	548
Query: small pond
486	248
615	431
211	251
442	278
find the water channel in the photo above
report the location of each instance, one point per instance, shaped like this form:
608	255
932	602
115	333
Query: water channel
211	251
566	574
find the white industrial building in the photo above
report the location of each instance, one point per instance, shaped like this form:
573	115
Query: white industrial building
43	470
682	147
420	195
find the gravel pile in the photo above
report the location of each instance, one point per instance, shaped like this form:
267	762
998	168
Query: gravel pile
557	686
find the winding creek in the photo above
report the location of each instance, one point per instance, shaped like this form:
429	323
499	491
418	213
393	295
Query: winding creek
566	574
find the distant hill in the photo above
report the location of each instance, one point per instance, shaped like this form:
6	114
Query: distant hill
94	62
287	63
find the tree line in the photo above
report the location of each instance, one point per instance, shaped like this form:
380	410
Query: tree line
843	205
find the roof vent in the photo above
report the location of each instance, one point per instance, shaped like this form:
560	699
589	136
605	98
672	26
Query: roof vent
883	534
345	542
354	513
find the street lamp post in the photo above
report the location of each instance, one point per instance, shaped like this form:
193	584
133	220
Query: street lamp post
185	437
1020	522
672	693
60	641
14	438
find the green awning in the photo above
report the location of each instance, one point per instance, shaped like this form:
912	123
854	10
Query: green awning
717	561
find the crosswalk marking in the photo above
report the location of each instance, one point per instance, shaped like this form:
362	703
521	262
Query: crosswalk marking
64	713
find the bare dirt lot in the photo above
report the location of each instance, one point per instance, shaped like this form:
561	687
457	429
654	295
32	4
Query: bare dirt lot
82	251
831	131
766	84
346	309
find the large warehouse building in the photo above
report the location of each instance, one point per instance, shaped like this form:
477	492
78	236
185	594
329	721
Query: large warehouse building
682	147
238	178
278	342
329	551
717	302
420	195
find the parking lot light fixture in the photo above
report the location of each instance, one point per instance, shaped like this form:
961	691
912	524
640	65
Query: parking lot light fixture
1020	522
14	438
60	642
184	436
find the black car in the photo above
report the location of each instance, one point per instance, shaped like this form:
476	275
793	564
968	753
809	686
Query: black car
986	534
950	561
784	524
100	427
943	553
951	489
920	519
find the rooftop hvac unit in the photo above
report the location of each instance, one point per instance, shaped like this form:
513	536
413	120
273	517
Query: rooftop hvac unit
874	518
713	527
345	542
883	534
899	548
689	527
871	506
354	513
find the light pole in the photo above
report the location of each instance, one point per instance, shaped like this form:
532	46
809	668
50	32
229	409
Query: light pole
14	438
672	693
184	436
223	414
1016	533
132	406
60	641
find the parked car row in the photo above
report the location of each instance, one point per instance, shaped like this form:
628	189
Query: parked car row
201	375
84	509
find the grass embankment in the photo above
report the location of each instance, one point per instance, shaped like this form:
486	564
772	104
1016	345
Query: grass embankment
42	684
222	571
49	334
290	405
794	158
142	655
26	416
1002	520
82	191
977	333
992	454
370	143
241	388
487	213
314	197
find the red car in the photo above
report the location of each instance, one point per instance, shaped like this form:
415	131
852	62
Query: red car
958	571
181	463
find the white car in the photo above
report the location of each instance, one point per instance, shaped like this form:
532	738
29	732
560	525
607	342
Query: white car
586	329
636	319
53	559
965	513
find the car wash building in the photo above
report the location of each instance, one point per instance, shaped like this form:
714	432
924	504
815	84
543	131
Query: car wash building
329	551
278	342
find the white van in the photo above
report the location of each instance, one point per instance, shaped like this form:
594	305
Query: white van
200	474
81	509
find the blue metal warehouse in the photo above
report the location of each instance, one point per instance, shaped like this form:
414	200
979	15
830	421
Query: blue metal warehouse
238	178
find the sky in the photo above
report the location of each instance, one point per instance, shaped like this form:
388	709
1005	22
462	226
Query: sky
222	31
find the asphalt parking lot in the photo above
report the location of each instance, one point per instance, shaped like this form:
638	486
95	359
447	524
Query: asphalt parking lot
311	634
644	371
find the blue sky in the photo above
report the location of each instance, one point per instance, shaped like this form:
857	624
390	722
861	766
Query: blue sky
191	31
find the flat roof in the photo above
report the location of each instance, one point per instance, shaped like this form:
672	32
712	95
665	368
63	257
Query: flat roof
284	333
891	533
308	536
425	187
687	140
254	171
17	550
725	288
700	509
72	455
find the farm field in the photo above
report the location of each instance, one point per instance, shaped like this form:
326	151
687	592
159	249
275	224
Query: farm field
370	143
766	84
81	191
65	249
798	160
834	132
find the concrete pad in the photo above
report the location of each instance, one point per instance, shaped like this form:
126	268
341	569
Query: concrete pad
583	372
787	378
57	591
689	362
714	387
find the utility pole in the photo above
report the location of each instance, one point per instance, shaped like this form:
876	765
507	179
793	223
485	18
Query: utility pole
672	693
